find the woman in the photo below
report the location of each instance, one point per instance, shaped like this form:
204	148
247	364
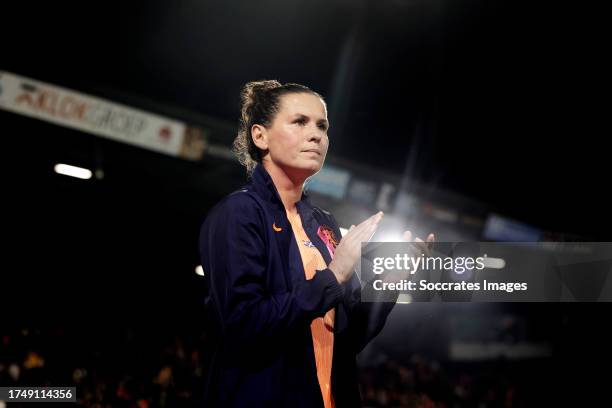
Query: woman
285	303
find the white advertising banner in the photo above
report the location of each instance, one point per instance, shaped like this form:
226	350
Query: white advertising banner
90	114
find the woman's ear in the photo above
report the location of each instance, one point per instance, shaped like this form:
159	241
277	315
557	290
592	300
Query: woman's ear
260	137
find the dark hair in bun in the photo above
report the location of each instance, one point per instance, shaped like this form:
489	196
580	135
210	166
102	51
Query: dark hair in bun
259	104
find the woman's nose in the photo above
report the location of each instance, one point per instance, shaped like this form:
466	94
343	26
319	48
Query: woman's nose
316	134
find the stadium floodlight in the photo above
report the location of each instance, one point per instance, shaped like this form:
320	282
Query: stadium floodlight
73	171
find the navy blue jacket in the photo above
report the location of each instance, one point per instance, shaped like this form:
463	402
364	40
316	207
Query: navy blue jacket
261	305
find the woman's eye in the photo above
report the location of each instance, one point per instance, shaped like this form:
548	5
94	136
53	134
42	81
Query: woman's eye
300	121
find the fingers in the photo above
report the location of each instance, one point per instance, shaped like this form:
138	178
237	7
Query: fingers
375	218
423	246
372	226
365	230
349	249
431	239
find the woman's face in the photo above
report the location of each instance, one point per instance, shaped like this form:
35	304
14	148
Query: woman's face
297	138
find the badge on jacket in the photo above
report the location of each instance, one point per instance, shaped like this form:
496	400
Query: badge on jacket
328	237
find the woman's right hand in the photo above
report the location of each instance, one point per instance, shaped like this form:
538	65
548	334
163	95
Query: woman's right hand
348	251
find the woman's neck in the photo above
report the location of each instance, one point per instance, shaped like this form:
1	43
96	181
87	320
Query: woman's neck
289	189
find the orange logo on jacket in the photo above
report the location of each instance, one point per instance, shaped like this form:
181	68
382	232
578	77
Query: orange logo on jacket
275	228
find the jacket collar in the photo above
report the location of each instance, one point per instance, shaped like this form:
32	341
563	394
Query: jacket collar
264	186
